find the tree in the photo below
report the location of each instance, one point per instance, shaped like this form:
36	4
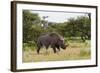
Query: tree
79	27
28	21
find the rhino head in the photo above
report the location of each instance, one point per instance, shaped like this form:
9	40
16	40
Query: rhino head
62	44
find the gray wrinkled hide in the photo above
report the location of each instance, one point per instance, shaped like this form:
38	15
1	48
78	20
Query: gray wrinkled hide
52	40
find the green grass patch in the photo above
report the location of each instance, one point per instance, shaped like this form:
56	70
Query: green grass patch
85	52
28	46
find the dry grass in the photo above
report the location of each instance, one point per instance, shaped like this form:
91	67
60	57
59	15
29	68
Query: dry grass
75	51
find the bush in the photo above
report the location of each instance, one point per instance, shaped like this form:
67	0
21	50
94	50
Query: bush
29	46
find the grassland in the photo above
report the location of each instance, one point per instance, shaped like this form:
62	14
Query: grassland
75	51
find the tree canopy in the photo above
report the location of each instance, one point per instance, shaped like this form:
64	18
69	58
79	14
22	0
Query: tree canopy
73	27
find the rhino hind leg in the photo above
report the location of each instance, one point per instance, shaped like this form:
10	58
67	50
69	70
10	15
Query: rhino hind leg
38	48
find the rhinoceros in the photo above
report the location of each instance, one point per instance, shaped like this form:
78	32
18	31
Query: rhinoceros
53	40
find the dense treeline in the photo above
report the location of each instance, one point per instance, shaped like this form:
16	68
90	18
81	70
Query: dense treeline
74	27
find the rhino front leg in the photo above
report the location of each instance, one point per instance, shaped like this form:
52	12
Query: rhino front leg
57	46
54	49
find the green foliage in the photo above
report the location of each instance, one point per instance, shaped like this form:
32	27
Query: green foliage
84	53
73	29
29	46
80	26
76	33
59	28
28	21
